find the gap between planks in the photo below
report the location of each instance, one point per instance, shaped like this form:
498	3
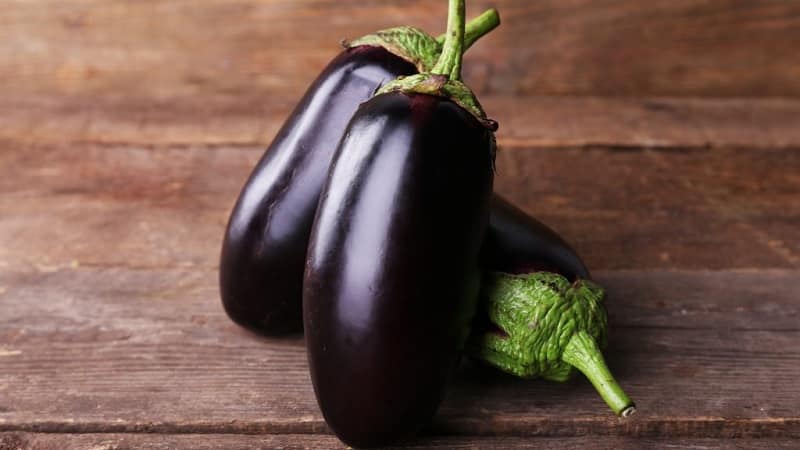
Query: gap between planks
151	351
31	441
636	428
668	124
68	205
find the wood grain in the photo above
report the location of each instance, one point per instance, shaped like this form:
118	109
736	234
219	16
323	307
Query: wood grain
115	350
151	207
660	138
553	47
525	122
53	441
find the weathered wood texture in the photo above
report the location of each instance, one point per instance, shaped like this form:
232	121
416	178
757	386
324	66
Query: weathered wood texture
54	441
92	350
525	122
137	207
127	129
609	47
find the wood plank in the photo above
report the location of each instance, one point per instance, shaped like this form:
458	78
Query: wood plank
51	441
691	300
115	350
525	122
139	207
680	209
686	47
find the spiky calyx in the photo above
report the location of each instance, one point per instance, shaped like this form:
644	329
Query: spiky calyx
539	313
420	48
410	43
441	86
444	78
547	327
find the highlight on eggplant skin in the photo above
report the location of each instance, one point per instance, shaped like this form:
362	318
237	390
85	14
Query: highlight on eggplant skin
517	243
264	249
393	274
263	253
265	243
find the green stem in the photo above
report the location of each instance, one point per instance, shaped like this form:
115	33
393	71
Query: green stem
583	353
478	27
449	62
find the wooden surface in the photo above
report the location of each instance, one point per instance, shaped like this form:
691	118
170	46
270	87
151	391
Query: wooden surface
94	350
55	441
605	47
127	129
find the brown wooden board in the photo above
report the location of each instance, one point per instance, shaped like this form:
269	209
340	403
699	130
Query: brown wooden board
148	207
55	441
685	47
660	139
119	350
525	122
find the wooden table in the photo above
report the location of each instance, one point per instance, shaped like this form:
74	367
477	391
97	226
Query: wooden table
663	141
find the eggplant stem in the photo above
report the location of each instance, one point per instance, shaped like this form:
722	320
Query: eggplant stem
449	62
477	27
583	353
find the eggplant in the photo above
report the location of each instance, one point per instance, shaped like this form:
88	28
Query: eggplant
264	248
517	243
392	274
539	313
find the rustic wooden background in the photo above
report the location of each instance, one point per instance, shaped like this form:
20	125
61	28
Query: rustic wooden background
662	138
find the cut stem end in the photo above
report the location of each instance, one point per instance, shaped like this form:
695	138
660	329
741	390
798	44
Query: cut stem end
583	353
629	411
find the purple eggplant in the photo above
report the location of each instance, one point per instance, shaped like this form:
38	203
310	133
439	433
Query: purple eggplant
517	243
393	274
264	249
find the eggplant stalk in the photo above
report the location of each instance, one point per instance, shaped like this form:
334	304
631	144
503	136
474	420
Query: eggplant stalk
449	62
582	353
550	327
477	27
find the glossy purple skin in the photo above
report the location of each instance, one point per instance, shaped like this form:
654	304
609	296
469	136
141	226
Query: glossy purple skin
392	276
518	243
263	254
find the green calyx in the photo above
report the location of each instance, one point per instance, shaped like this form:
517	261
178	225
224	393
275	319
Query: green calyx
548	327
441	86
412	44
444	78
420	48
